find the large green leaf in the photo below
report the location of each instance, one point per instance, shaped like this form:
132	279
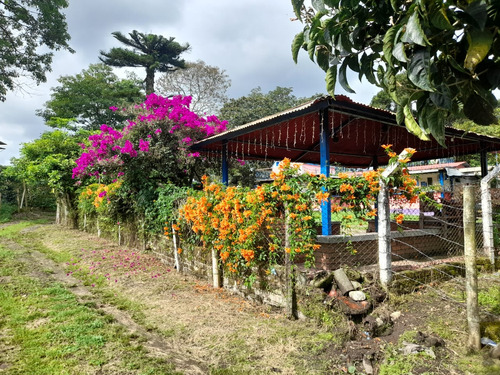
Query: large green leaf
432	118
297	7
319	5
343	78
419	68
479	46
440	19
331	79
399	52
479	110
367	68
412	125
478	12
323	58
414	33
297	43
389	43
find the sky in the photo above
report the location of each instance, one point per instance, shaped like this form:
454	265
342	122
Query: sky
249	39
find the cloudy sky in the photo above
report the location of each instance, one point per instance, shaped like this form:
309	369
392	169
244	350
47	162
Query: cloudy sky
249	39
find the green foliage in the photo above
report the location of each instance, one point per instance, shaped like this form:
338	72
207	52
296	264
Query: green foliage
6	211
83	100
164	210
490	299
28	28
150	51
257	105
449	52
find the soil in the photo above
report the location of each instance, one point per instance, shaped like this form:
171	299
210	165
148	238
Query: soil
198	328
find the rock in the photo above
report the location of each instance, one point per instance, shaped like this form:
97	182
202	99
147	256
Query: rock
495	352
395	315
367	365
357	295
356	285
379	322
428	340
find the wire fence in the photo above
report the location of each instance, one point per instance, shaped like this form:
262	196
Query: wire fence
424	232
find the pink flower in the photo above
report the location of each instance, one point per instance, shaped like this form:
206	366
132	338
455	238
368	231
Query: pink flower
103	193
187	140
113	108
242	162
143	145
158	131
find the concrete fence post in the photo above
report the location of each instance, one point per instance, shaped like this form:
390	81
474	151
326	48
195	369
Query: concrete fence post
384	222
487	215
469	221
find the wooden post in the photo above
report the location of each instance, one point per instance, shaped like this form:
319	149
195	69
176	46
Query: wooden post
98	228
469	221
178	264
216	275
487	215
119	235
291	294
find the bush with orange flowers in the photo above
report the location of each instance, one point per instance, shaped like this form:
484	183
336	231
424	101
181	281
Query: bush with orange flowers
246	226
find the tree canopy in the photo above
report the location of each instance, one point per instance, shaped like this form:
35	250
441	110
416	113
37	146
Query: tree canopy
205	84
27	25
449	51
257	105
150	51
84	100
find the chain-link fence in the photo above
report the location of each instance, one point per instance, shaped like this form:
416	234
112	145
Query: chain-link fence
424	231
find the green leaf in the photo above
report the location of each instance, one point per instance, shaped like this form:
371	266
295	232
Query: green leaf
412	125
331	80
414	32
343	78
297	43
323	58
440	19
418	70
297	7
479	110
479	46
353	63
400	115
478	12
432	118
319	5
389	43
442	97
399	52
367	69
311	48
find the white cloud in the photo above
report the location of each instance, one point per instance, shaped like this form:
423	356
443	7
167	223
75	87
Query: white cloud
250	39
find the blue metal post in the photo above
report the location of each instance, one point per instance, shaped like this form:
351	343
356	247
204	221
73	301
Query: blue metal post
326	206
441	182
225	168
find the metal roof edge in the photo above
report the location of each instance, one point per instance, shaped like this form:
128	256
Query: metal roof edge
289	114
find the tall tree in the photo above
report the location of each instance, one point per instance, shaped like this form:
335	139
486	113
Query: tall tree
207	86
257	105
448	49
84	100
150	51
25	26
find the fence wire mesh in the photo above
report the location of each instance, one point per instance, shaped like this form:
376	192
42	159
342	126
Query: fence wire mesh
424	232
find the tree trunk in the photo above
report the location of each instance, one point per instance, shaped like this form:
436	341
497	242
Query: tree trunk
291	310
150	81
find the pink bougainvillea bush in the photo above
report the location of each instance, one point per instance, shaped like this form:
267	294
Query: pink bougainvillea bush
152	146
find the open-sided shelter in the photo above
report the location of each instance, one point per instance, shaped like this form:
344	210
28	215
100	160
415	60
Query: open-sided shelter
336	130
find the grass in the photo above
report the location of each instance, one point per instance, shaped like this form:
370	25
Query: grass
48	331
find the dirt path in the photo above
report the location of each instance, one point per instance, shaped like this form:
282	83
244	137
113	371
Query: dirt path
199	329
43	268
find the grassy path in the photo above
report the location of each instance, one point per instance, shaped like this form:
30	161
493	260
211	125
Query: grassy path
125	312
71	303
